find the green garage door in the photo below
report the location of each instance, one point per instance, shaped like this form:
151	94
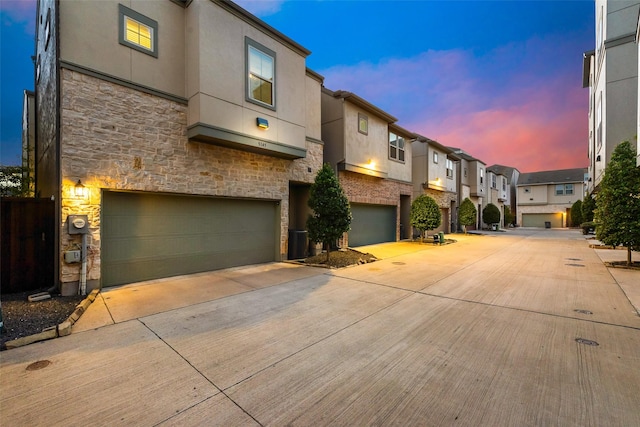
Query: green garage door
149	236
372	224
539	220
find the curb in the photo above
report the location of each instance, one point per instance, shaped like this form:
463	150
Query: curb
61	330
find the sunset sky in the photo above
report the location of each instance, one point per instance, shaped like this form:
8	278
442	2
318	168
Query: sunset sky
500	79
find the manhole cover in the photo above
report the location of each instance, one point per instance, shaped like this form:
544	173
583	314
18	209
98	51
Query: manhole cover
583	311
40	364
398	263
586	342
575	265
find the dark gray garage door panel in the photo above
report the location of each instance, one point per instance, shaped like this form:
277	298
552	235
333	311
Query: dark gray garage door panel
149	236
372	224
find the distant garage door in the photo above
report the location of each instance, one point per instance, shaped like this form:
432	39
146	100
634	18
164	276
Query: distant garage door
149	236
372	224
538	220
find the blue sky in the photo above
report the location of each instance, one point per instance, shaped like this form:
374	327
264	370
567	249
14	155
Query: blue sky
500	79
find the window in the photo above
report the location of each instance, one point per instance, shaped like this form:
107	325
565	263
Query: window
47	30
137	31
396	147
435	157
363	124
599	121
449	168
568	189
261	71
559	190
481	176
493	181
465	172
504	184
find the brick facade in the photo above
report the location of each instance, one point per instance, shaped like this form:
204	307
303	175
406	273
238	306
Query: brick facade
444	199
117	138
361	188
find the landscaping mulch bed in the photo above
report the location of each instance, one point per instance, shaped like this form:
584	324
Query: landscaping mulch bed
23	318
635	265
340	258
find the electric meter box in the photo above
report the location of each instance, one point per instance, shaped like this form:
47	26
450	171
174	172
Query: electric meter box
78	224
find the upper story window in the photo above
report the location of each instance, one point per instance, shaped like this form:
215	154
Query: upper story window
396	147
465	172
481	176
261	71
504	184
493	181
137	31
559	189
568	189
449	168
363	124
435	157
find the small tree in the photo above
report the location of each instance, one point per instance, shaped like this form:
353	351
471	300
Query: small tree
508	216
14	181
467	214
491	214
588	207
331	211
576	213
425	214
617	212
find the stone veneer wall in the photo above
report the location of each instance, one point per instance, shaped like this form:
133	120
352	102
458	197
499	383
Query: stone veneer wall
361	188
117	138
443	199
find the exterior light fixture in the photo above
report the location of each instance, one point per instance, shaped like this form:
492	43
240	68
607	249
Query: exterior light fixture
80	191
262	123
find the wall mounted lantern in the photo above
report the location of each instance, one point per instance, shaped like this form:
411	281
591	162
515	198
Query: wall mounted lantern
262	123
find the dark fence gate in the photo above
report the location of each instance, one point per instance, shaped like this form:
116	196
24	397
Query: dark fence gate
27	244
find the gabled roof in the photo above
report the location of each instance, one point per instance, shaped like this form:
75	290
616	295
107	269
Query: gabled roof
552	177
464	155
448	150
506	171
360	102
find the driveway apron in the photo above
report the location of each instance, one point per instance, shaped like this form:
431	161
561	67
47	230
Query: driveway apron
519	328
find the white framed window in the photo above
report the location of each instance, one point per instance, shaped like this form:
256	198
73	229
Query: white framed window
435	157
396	147
137	31
568	189
559	189
261	71
504	184
481	176
363	124
493	181
449	168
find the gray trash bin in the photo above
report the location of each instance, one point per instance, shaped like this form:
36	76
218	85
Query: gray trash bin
297	244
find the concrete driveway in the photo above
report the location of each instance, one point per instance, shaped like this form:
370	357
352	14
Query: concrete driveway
522	328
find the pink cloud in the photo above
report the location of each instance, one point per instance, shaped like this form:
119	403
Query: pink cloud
19	13
519	105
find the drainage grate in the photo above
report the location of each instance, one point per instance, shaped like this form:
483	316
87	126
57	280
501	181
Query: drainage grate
399	263
586	342
40	364
575	265
583	311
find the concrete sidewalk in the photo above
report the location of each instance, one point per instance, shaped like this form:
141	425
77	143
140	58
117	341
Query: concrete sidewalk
521	328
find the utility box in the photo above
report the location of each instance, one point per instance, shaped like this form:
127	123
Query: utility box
72	256
78	224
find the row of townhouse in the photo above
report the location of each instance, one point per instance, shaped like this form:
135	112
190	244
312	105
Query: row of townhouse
610	71
183	136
